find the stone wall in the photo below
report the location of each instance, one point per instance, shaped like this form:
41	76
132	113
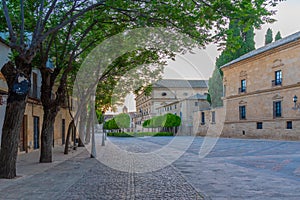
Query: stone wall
209	127
261	93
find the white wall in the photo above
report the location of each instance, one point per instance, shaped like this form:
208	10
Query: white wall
4	52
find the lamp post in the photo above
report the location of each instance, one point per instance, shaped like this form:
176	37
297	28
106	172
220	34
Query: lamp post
296	105
103	136
93	151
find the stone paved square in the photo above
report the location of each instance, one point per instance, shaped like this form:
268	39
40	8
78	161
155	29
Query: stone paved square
234	169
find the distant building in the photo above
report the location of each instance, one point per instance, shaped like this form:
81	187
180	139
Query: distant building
168	94
185	109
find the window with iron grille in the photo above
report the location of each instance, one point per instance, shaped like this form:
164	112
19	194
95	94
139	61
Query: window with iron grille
242	110
278	77
213	117
277	109
202	118
259	125
289	125
243	86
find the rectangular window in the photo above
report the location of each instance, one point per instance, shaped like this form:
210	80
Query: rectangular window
196	103
277	109
175	106
36	133
289	125
202	118
278	77
243	86
242	112
259	125
213	117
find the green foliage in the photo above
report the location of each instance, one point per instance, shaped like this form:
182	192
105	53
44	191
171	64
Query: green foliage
117	134
171	120
208	98
167	121
278	36
215	85
122	120
146	123
240	40
111	125
127	72
159	134
100	117
148	90
269	36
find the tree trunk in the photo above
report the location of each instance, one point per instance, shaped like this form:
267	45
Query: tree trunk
10	137
13	119
47	136
88	132
50	108
70	131
88	127
82	124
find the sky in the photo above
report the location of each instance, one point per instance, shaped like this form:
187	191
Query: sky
200	64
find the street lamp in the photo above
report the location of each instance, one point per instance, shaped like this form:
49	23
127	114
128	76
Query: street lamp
103	137
93	151
296	105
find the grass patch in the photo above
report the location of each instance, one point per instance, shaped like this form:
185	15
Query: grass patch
163	134
139	134
115	134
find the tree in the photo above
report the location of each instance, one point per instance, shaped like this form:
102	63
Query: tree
215	85
111	124
36	19
45	18
123	120
240	40
278	36
269	36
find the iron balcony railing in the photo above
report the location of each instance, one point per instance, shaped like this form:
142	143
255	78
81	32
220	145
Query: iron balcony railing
242	90
276	82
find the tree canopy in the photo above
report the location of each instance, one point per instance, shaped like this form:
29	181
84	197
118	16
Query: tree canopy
164	121
240	40
269	36
278	36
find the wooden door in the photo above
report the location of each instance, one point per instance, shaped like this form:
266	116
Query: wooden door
23	135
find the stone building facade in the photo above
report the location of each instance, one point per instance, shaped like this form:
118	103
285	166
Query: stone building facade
166	94
209	122
258	92
186	108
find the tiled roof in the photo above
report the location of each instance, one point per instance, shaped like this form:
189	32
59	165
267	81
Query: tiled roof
278	43
174	83
197	97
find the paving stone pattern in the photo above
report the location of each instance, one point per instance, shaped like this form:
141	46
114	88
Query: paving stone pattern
234	169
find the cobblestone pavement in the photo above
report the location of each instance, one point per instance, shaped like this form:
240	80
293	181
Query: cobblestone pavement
234	169
81	177
240	169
